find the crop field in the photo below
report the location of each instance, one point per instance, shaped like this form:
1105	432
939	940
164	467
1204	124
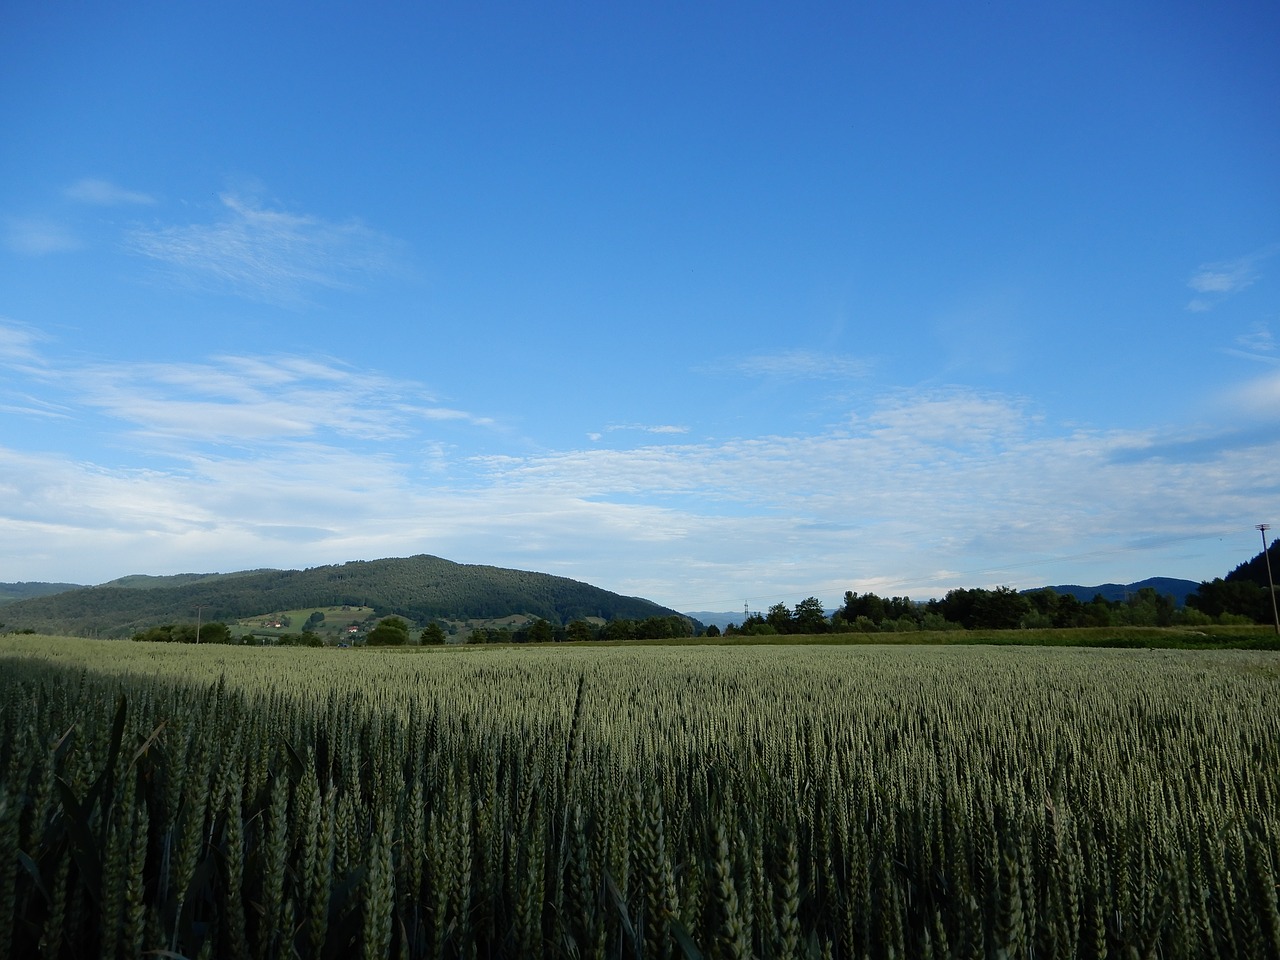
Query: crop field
637	802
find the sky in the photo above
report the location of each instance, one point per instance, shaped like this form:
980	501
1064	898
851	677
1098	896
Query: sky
714	304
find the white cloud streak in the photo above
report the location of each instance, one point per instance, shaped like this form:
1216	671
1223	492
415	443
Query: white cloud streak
662	428
1259	339
1215	281
103	193
266	255
797	365
246	400
18	345
39	236
1257	399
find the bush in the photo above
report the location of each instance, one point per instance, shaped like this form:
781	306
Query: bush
1235	620
391	632
1191	617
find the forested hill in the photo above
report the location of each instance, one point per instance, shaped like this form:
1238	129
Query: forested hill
1164	586
417	588
9	592
1255	569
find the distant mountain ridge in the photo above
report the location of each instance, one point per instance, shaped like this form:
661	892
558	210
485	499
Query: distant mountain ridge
143	581
9	592
1164	586
417	588
1178	589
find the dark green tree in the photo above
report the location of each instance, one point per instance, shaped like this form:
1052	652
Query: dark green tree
1000	609
391	632
979	609
540	631
1241	597
780	618
432	633
810	616
1097	612
580	631
616	630
868	605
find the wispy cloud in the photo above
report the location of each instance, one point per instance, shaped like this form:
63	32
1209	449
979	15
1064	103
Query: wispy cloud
231	399
104	193
39	236
293	461
798	365
1214	281
1258	339
266	254
1256	344
18	344
647	428
1227	277
596	436
1256	399
251	399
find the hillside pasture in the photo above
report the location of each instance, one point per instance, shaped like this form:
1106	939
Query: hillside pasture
332	629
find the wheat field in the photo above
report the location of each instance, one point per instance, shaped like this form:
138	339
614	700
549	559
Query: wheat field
652	802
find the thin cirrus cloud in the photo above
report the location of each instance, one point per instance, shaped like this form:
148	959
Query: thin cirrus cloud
1215	281
799	365
248	399
1257	344
266	255
231	399
39	236
1257	399
646	428
104	193
18	345
660	429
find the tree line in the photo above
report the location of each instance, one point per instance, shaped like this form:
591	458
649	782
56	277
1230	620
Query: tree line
1001	608
215	631
578	631
1242	597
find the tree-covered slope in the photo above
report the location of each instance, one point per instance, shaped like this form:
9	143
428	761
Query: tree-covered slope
1254	570
1245	591
418	588
9	592
1164	586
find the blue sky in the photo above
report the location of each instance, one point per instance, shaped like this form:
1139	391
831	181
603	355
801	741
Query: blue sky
707	303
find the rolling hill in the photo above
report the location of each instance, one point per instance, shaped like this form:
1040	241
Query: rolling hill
9	592
1164	586
417	588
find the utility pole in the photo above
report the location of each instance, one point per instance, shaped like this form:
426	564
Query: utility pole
1275	613
199	609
